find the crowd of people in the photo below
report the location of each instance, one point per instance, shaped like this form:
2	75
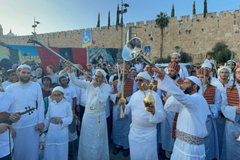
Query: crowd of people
196	114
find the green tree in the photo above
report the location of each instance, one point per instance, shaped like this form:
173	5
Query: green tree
98	22
173	11
194	8
185	57
163	60
117	19
162	21
205	8
221	53
109	19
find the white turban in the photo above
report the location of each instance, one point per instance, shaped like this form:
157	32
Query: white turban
208	65
102	71
224	67
58	88
24	66
144	75
195	80
177	54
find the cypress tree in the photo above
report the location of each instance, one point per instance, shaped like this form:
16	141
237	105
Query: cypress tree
117	19
108	19
173	11
205	9
194	8
98	22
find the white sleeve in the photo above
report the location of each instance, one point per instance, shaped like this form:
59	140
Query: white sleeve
172	104
41	105
67	120
102	94
77	82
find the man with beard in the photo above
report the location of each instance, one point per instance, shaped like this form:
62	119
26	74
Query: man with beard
176	58
115	76
143	132
212	80
168	126
231	110
228	64
93	142
193	111
26	94
214	99
11	76
121	126
222	84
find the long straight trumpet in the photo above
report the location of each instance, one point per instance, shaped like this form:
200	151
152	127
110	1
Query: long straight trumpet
34	39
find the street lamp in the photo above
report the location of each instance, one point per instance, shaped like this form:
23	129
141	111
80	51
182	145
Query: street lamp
35	23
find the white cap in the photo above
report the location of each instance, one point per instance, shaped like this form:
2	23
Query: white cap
177	54
208	65
224	67
132	68
24	66
144	75
102	71
58	88
195	80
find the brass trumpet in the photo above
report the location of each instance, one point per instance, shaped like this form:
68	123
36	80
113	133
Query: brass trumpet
34	39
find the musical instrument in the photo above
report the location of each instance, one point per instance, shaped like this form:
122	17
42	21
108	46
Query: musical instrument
133	50
149	99
122	93
4	116
35	39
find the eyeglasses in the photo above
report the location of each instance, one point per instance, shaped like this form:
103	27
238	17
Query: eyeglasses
140	80
57	95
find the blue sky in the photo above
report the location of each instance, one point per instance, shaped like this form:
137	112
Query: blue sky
61	15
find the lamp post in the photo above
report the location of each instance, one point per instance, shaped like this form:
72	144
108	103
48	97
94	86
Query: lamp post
35	23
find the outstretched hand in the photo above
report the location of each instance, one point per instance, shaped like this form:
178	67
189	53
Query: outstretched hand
69	66
160	73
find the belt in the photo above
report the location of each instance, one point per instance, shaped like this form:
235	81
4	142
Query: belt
189	138
54	120
98	110
142	124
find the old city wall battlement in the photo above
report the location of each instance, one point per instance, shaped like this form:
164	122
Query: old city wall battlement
196	36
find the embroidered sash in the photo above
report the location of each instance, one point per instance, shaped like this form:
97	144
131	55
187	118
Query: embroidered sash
209	94
232	96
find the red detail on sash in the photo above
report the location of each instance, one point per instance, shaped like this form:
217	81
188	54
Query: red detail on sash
232	96
209	94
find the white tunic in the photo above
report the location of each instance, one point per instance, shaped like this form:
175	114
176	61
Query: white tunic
5	84
93	144
192	118
57	137
27	138
143	132
7	105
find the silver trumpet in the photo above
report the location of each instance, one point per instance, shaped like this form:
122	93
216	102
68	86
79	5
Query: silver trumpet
35	39
133	49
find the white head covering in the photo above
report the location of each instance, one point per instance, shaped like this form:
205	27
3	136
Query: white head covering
177	54
58	88
195	80
232	61
132	68
102	71
144	75
224	67
24	66
208	65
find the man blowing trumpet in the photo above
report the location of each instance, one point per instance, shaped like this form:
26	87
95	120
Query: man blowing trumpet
143	132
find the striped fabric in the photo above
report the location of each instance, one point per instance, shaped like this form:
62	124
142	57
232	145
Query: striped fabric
180	81
232	96
209	94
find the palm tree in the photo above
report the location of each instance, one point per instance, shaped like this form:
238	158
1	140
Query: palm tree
162	21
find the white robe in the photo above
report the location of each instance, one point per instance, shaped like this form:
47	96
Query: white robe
192	118
120	126
231	147
93	144
57	137
26	141
143	132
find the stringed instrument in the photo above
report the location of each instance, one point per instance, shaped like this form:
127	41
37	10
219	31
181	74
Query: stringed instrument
4	116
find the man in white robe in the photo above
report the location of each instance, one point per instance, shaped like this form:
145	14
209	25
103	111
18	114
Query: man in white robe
183	72
27	94
208	66
93	144
231	110
11	75
193	111
143	131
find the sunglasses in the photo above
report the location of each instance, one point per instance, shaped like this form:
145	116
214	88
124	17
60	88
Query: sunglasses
57	95
140	80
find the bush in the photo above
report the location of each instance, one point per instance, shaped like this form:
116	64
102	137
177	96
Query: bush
163	60
185	57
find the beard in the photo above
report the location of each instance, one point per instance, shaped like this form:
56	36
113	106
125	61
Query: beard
188	90
24	80
172	76
238	81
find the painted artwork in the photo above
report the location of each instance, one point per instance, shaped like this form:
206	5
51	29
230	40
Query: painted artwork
32	55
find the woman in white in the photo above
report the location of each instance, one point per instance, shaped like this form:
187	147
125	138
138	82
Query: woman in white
58	117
